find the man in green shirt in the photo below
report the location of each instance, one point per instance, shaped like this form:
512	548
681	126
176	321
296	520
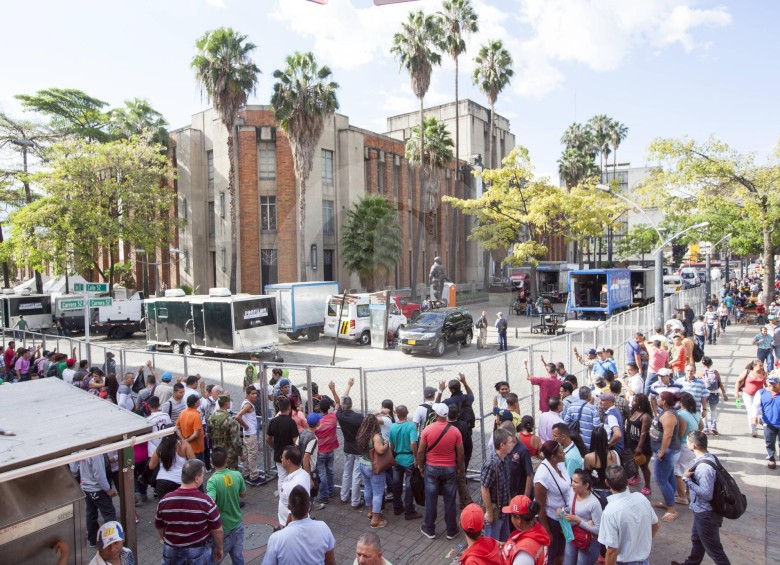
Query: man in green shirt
226	487
403	439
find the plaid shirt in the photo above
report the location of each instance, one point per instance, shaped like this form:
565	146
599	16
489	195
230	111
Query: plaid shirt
495	477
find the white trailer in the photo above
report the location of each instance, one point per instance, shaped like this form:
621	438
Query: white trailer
300	307
123	318
36	309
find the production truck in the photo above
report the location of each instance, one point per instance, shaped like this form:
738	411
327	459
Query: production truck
599	293
300	307
122	319
36	309
551	281
643	284
220	322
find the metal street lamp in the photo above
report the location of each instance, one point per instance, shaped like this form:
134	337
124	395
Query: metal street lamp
658	309
708	281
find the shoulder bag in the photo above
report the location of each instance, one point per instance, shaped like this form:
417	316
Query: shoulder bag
582	537
381	462
566	528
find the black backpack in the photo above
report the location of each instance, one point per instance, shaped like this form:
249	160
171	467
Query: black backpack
138	383
698	353
430	416
727	500
466	413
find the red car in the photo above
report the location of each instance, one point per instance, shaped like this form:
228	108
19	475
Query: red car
409	309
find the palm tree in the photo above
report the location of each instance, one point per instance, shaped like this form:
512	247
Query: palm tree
493	74
617	134
601	126
437	154
579	136
371	241
136	117
227	75
457	19
415	47
575	165
304	97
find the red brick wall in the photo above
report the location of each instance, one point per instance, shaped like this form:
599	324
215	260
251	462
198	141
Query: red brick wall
248	211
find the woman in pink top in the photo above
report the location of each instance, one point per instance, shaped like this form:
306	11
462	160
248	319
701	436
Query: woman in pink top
750	382
549	386
658	358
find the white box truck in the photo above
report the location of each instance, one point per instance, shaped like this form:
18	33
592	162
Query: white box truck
300	307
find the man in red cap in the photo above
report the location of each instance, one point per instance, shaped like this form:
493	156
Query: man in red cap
481	550
529	542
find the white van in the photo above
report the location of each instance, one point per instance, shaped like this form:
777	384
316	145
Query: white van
690	276
672	284
355	323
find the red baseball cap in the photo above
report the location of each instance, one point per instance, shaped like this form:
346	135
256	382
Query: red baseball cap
518	505
472	519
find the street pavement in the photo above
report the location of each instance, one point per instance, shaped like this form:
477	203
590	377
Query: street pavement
745	540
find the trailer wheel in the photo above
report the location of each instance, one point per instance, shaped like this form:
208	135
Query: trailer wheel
313	334
116	333
186	349
293	335
365	338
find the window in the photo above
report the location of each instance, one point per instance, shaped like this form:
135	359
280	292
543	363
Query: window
363	311
328	217
380	176
268	213
162	313
223	256
186	261
222	205
210	161
269	269
327	168
212	221
266	159
184	212
396	179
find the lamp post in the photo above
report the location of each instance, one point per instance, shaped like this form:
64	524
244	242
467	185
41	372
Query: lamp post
708	281
658	309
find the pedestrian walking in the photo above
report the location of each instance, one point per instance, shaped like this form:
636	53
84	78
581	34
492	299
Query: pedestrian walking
766	406
501	326
226	488
749	383
482	325
665	442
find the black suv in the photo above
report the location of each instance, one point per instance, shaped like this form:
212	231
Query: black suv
434	330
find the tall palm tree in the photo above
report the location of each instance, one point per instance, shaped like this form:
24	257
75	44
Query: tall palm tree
416	48
617	134
492	74
437	155
135	117
579	136
304	97
457	19
601	126
227	75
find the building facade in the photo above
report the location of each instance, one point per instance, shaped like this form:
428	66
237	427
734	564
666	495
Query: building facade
350	163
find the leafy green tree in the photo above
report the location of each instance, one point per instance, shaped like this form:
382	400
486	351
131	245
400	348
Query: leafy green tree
226	73
96	196
492	75
371	241
137	117
577	163
437	155
72	112
639	240
304	97
710	175
617	135
601	127
416	48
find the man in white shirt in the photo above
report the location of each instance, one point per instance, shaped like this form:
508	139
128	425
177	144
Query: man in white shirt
700	330
421	412
628	524
296	475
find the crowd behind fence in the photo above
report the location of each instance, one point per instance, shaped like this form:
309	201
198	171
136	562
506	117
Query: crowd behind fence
402	384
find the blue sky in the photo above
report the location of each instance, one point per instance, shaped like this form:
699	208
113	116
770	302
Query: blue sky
662	67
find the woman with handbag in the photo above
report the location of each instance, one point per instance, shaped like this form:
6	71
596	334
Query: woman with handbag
375	459
585	519
552	487
639	439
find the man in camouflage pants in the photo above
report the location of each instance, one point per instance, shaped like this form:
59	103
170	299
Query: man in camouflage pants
224	431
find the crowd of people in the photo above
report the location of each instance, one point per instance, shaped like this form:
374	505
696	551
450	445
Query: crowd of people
554	489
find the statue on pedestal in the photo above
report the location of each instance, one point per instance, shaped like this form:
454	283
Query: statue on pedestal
436	279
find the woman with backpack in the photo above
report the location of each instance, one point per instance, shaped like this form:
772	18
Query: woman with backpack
714	384
369	437
170	456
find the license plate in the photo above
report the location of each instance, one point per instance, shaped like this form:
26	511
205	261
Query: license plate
412	342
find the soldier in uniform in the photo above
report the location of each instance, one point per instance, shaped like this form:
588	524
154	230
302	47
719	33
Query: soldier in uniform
224	431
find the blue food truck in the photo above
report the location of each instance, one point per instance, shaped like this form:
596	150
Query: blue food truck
599	293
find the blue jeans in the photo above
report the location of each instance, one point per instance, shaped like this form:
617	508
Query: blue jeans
186	555
325	471
649	381
765	356
502	341
98	502
401	478
770	439
664	475
712	334
713	410
233	545
705	537
374	487
574	556
440	481
498	530
350	481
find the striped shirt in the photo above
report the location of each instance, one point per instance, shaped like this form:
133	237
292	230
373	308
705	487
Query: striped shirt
187	516
702	484
695	387
587	415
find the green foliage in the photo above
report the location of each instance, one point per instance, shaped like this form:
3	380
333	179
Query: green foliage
371	241
188	290
521	212
72	112
494	71
95	196
124	272
456	19
137	117
639	241
416	48
601	135
438	145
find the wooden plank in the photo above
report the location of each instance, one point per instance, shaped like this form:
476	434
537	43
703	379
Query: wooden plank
52	418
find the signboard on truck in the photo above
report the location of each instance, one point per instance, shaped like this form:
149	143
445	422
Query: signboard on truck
599	292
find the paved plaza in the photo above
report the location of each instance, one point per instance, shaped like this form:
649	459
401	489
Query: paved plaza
745	540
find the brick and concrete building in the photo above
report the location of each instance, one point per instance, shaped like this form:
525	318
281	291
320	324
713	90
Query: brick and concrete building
350	163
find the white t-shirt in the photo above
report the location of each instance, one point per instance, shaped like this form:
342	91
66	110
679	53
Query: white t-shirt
636	383
420	413
699	328
523	558
67	375
299	477
550	480
159	420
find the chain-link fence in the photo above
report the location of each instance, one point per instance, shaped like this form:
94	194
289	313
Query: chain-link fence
402	385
